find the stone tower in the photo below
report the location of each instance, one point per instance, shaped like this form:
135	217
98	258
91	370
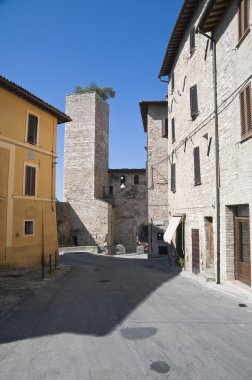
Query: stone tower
86	168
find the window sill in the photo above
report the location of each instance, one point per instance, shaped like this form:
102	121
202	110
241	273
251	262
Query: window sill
246	138
194	116
197	184
192	52
173	141
242	38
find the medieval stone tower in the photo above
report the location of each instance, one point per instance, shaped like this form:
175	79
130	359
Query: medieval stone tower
86	168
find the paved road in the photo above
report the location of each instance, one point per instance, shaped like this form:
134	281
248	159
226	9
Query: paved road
126	319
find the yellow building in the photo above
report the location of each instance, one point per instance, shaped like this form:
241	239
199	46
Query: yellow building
28	130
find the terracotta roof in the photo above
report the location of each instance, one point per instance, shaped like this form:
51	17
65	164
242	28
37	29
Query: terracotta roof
34	100
144	104
213	14
178	33
126	170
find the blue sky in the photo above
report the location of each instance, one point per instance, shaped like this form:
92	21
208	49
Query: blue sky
50	46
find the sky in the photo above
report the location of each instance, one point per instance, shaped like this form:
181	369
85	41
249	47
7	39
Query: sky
50	46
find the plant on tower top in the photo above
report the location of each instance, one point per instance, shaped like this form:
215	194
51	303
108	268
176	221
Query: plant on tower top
104	92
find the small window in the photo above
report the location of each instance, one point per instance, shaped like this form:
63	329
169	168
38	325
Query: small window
164	127
110	190
246	112
30	180
173	130
197	177
136	180
160	236
32	129
194	102
28	227
122	182
172	82
173	178
192	40
243	17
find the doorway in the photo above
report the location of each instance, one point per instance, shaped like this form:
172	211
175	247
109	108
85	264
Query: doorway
209	243
243	266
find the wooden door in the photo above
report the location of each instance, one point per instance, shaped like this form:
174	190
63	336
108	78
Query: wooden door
4	169
211	243
195	251
243	266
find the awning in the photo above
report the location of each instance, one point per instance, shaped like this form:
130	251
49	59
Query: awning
171	229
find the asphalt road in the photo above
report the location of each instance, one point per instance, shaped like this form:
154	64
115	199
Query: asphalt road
114	318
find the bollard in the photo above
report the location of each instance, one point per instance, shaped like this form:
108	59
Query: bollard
55	260
50	263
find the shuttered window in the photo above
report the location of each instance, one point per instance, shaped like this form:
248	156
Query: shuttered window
192	40
30	180
32	129
194	101
243	16
164	127
246	112
197	178
173	130
173	178
172	82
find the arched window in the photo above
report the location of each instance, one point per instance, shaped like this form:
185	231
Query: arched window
122	181
136	180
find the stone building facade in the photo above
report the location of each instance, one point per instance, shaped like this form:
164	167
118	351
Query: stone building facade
209	144
154	118
92	214
129	206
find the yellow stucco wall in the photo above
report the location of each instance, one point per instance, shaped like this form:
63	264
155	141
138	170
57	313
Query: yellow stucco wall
16	248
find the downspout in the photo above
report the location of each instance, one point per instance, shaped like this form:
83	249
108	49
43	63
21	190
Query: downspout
217	158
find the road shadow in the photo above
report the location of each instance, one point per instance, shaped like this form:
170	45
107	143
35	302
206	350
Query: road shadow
93	298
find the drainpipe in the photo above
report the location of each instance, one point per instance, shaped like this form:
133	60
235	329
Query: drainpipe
217	159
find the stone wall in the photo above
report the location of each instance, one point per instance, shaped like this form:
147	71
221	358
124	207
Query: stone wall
196	202
157	151
86	170
129	206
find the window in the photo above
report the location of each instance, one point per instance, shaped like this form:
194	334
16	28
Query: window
122	182
30	180
164	127
173	130
246	112
243	17
173	178
28	227
192	40
32	129
172	82
196	153
110	190
160	236
194	101
136	180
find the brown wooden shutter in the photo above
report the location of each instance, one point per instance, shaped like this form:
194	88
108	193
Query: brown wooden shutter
164	127
173	178
30	180
32	129
194	101
195	251
246	112
249	109
192	40
197	177
173	130
243	17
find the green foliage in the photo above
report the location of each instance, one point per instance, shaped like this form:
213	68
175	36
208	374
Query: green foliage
104	92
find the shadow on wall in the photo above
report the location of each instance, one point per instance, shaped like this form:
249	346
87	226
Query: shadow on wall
93	298
71	230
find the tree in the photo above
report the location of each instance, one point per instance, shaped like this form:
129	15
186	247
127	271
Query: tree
104	92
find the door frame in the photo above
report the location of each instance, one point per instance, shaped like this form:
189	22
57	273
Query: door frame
243	271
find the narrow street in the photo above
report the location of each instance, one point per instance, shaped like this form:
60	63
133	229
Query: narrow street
114	318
